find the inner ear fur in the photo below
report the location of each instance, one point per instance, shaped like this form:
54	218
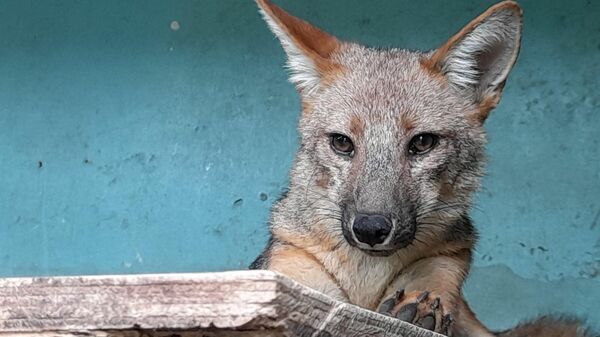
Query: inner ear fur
476	60
308	48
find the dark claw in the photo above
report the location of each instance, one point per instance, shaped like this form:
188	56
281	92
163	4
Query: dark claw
435	304
387	306
399	294
447	321
407	313
423	296
427	322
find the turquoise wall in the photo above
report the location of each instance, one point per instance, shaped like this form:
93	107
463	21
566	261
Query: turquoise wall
127	146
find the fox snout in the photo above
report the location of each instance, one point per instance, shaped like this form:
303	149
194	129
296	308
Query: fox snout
378	234
371	229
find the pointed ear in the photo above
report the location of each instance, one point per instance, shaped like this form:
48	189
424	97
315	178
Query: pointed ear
308	49
477	59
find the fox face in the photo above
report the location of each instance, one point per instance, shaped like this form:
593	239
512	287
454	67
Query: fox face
392	141
397	149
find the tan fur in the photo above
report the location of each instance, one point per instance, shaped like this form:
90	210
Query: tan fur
430	67
367	280
306	269
351	270
446	190
306	108
356	126
407	123
323	179
332	71
314	43
480	114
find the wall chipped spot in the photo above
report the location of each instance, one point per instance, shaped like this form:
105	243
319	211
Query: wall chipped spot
175	25
486	257
112	182
596	219
591	270
139	258
263	196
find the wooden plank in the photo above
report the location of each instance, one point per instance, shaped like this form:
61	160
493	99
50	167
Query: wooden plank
242	303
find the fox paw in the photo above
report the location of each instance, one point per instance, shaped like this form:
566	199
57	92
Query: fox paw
420	308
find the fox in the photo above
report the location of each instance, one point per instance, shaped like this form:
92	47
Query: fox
392	149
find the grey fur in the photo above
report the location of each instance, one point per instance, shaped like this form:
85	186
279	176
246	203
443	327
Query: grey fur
385	90
381	99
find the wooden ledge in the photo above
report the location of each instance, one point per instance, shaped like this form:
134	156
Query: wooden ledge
240	303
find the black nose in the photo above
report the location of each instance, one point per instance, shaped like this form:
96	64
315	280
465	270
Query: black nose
371	229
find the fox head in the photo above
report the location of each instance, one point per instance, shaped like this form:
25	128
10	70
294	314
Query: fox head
392	141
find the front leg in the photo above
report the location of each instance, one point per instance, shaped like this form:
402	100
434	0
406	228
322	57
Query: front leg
303	268
428	294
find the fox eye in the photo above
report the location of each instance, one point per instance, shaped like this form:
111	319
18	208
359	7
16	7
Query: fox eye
423	143
341	144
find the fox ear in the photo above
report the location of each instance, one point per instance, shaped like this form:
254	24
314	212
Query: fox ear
478	58
308	49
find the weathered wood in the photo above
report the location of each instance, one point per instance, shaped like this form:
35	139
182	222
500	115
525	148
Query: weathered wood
237	304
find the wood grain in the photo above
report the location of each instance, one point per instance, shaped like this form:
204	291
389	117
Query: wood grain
241	303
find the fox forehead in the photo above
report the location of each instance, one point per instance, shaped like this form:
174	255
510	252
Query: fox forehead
386	89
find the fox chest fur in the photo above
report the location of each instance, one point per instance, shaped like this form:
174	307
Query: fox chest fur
362	278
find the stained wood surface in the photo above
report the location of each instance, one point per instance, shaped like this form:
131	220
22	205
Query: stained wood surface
237	304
